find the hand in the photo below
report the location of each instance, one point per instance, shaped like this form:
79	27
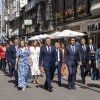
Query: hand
97	66
80	63
65	66
16	67
89	62
56	63
31	63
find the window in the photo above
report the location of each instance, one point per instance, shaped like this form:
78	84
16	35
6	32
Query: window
59	7
81	6
69	8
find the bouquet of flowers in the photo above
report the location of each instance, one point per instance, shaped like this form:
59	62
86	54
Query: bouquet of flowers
69	12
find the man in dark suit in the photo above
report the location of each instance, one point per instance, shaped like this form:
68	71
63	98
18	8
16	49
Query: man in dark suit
72	59
8	57
47	55
13	50
92	68
58	62
85	52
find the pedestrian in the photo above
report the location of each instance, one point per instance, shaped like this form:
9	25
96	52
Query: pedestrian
58	62
35	52
8	57
63	66
97	56
72	59
47	56
3	56
92	69
0	56
41	68
86	60
13	51
22	62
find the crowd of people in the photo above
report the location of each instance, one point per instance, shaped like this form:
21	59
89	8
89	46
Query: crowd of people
26	63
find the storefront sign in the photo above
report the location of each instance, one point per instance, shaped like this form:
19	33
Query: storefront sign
27	22
75	28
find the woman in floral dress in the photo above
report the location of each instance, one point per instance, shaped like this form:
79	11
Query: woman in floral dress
22	60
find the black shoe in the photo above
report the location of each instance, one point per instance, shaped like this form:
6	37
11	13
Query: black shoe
50	89
59	84
45	87
73	87
19	88
69	87
83	81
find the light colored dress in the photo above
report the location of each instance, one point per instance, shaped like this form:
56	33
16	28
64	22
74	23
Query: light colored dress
24	73
35	52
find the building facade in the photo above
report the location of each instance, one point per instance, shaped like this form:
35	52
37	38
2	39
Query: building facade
33	17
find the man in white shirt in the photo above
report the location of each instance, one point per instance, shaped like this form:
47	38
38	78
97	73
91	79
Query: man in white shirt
93	61
58	62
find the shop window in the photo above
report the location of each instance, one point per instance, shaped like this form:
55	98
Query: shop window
81	6
69	9
59	7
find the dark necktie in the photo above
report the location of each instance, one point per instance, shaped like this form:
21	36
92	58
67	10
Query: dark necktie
49	49
73	49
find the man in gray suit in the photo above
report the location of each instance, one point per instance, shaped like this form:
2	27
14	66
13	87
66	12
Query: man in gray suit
72	59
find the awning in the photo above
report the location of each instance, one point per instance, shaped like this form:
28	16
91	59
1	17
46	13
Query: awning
95	6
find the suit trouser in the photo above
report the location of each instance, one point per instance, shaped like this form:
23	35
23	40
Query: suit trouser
95	72
58	67
10	68
92	66
3	63
72	69
84	70
49	75
15	73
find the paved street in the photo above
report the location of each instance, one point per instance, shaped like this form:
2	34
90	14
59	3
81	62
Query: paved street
37	92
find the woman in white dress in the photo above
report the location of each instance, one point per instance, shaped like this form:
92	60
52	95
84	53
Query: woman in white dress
35	52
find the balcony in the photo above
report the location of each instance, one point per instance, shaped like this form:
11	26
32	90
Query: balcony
30	5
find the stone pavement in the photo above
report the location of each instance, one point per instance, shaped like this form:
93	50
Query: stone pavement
37	92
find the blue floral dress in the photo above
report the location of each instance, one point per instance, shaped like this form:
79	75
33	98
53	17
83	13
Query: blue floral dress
24	73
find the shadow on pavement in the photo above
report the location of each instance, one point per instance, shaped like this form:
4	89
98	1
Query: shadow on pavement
93	85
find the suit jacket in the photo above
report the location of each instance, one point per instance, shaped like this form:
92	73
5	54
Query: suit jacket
72	57
85	54
60	55
13	54
8	54
46	57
